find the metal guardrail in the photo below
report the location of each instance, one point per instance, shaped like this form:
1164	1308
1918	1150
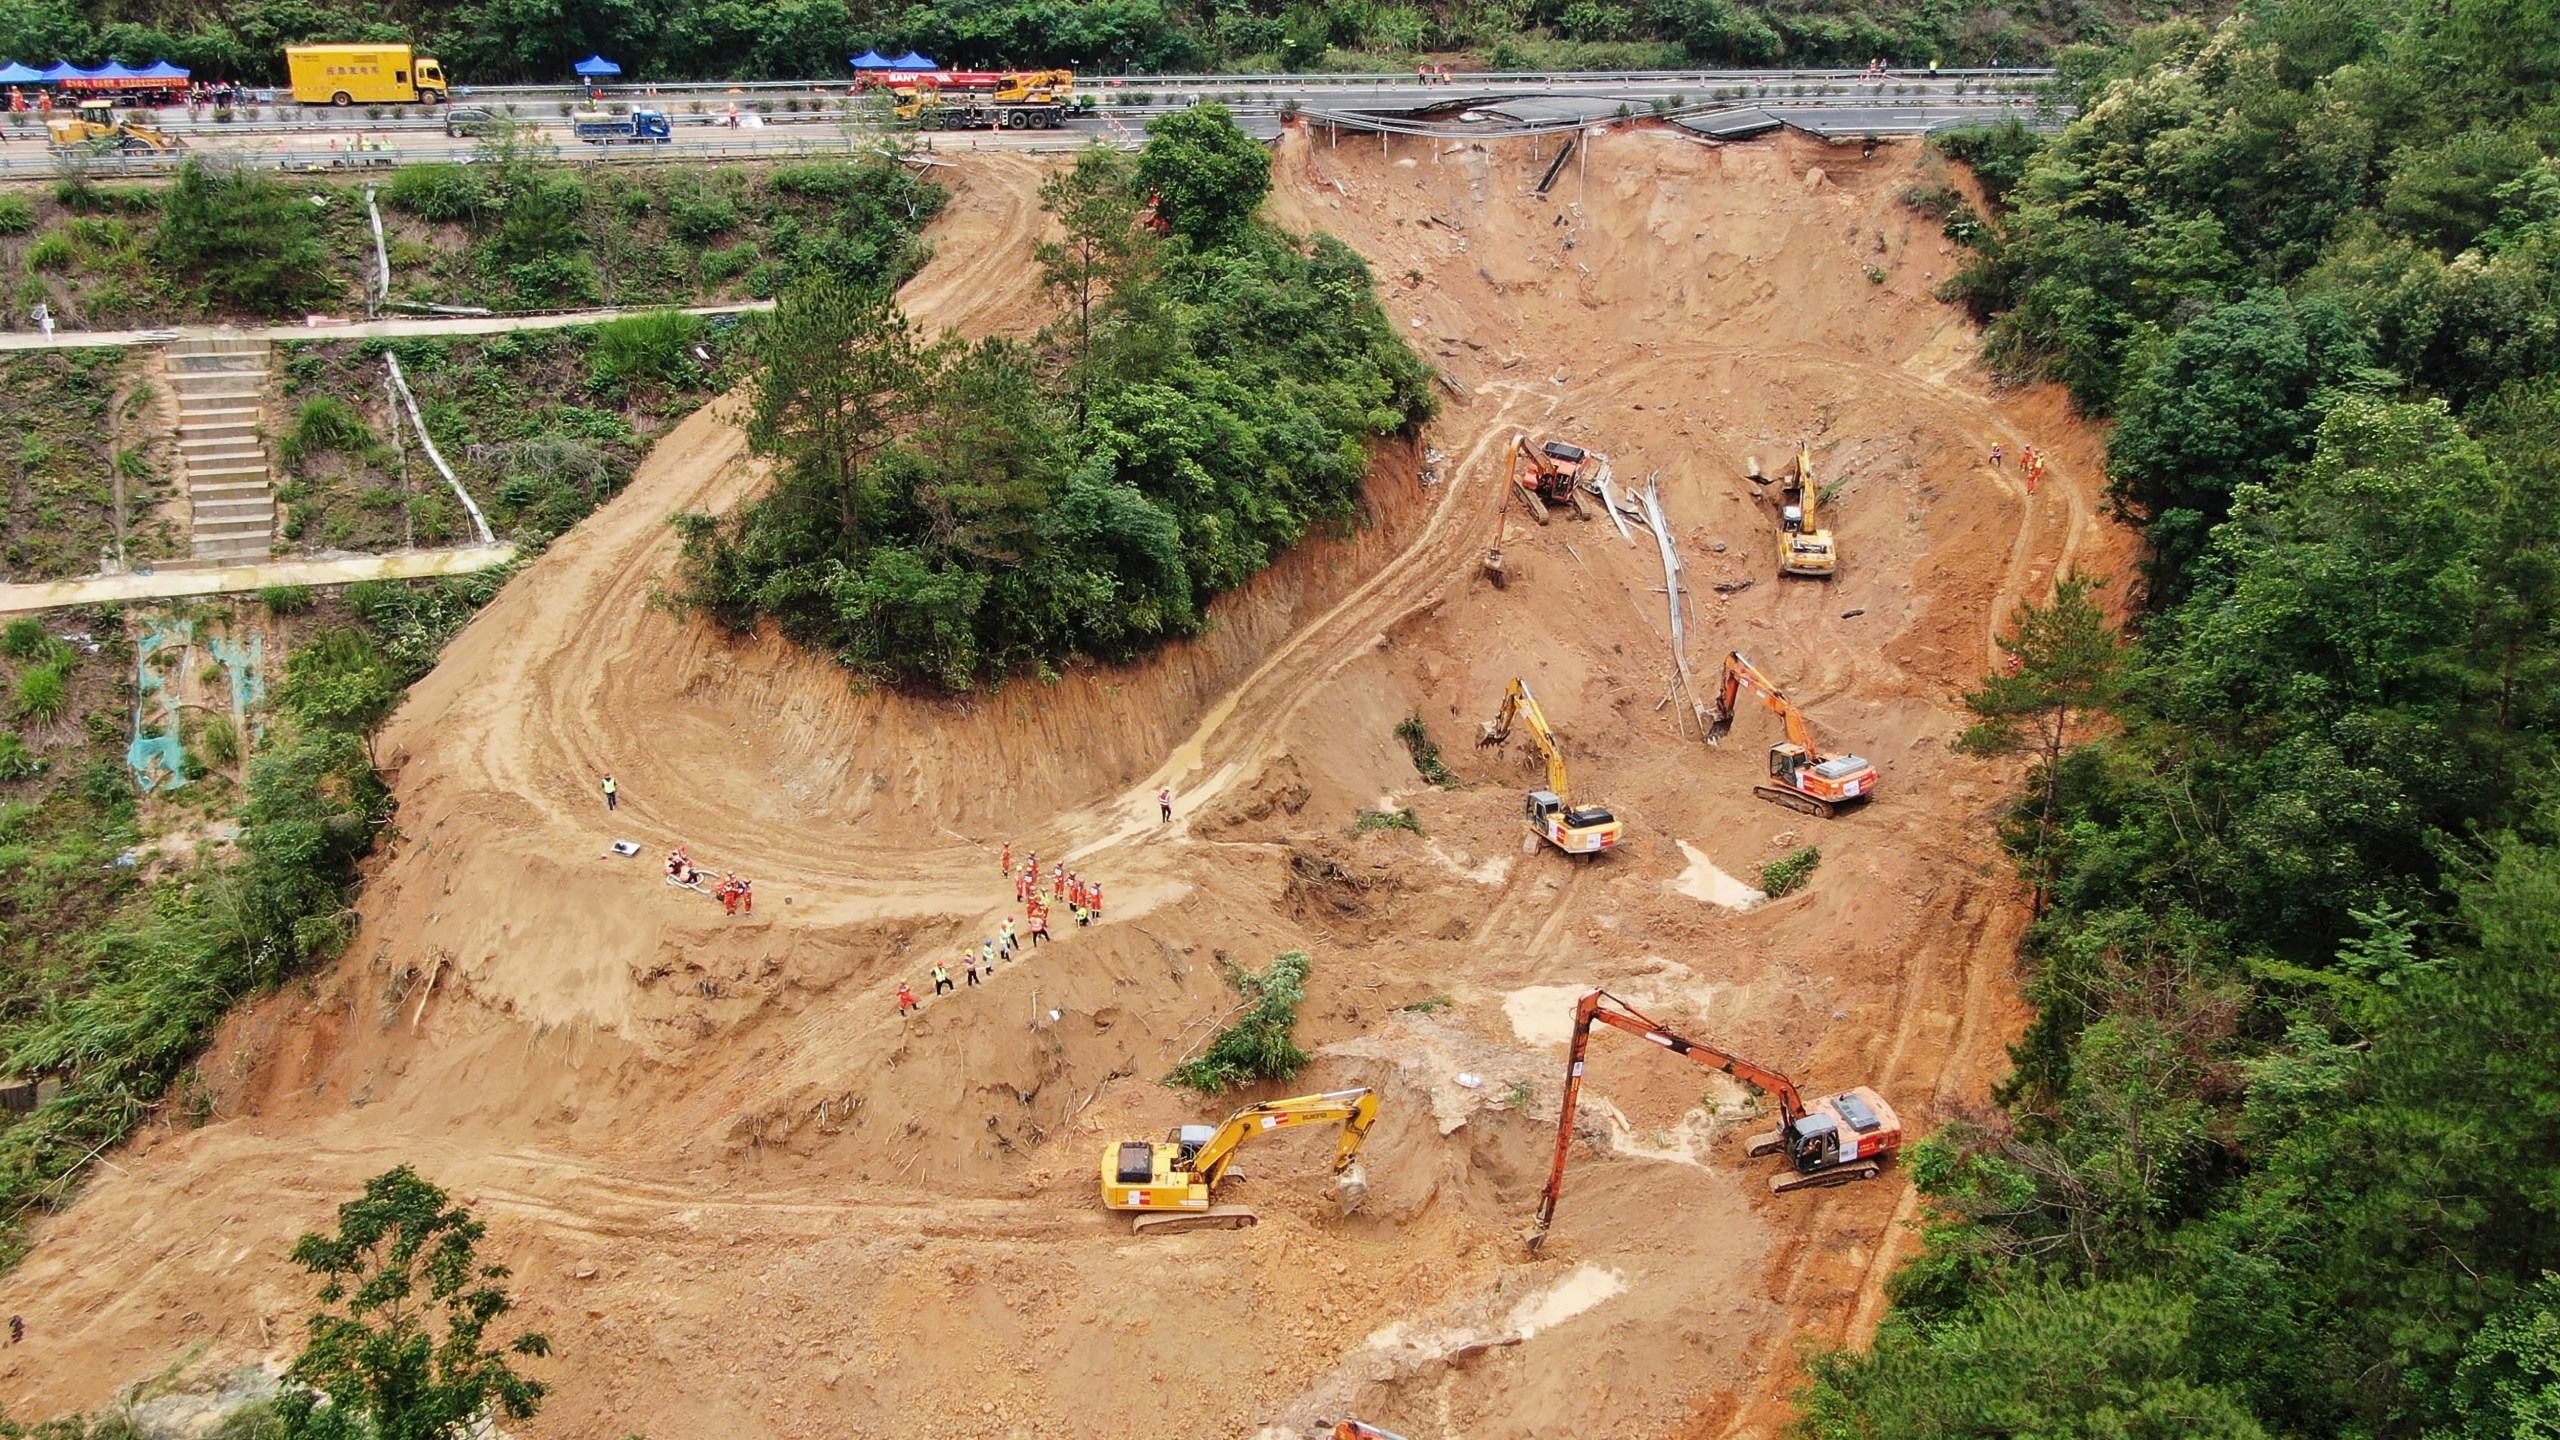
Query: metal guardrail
1302	81
43	164
323	121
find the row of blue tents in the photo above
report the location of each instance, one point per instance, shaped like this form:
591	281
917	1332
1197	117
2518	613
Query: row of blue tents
13	73
594	67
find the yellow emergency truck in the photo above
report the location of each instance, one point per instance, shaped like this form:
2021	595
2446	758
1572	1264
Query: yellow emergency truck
363	74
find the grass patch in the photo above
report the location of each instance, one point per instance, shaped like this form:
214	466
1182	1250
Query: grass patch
1788	874
652	349
40	694
1425	751
325	425
1260	1044
282	600
1371	821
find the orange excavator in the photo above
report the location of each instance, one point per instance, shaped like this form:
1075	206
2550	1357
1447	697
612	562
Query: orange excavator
1801	776
1829	1141
1552	473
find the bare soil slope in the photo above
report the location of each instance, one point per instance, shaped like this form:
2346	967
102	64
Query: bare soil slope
746	1200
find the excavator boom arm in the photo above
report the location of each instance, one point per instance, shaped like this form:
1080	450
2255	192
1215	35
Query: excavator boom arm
1356	1109
1741	675
1519	704
1594	1007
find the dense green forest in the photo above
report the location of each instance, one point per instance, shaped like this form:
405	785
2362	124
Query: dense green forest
2281	1152
486	42
952	512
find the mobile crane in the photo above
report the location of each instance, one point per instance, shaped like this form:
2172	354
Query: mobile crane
1574	829
1170	1182
1829	1141
1553	474
988	99
1801	776
1804	547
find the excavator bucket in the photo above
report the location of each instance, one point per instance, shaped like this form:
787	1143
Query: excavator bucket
1719	724
1351	1187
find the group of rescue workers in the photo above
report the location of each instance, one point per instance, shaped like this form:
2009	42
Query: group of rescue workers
735	893
1035	888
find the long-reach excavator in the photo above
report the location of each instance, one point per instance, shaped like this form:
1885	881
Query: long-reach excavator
1574	829
1801	776
1830	1141
1804	547
1552	473
1170	1181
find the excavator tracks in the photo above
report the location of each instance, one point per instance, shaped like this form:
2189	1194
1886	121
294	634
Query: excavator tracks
1216	1217
1780	1184
1796	800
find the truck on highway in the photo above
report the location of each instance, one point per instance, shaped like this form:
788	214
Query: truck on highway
986	99
640	127
371	74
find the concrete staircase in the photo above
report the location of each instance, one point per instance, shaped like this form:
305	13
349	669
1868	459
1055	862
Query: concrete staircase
220	386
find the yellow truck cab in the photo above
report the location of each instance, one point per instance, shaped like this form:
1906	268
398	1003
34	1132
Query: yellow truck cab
364	74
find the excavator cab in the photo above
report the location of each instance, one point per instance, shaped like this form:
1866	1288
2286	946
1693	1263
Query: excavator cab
1842	1137
1842	777
1574	829
1189	1141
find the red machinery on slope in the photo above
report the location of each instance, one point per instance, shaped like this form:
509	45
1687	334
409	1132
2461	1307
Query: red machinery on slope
1830	1141
1801	776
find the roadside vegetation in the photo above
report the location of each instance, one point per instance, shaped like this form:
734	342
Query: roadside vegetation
77	426
952	513
483	42
2281	1153
542	426
515	229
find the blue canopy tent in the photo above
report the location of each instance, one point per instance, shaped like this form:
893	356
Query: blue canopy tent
64	70
114	70
14	73
873	60
161	70
596	67
912	61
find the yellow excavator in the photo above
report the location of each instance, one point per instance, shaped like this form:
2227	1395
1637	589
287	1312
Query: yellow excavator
1574	829
1801	776
1804	547
97	127
1170	1182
